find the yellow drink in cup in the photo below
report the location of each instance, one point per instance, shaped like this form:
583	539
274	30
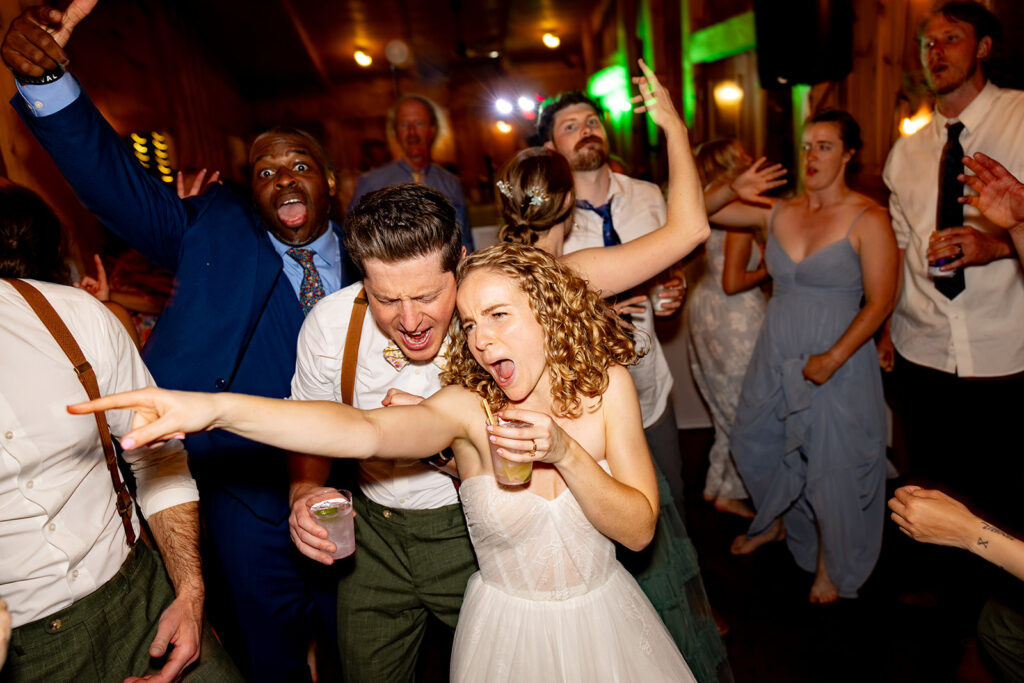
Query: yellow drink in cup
508	472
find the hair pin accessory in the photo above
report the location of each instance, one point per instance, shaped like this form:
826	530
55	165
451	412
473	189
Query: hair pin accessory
504	188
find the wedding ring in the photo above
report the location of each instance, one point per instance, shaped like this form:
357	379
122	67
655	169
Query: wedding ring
533	451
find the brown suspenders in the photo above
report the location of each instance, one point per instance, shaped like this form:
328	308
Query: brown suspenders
87	376
351	357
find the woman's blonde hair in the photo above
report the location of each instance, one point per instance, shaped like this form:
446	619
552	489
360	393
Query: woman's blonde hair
536	194
718	160
581	335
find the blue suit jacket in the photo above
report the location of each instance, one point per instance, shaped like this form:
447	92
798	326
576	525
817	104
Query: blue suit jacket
227	277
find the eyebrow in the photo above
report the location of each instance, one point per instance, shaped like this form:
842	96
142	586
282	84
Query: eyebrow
492	308
302	152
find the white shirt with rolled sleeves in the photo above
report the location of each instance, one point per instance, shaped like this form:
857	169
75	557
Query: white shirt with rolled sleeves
405	484
980	333
637	209
60	535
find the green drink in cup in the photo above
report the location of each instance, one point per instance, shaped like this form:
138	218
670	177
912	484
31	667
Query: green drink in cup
335	514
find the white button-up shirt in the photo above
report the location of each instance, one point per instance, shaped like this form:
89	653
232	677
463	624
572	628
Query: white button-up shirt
637	209
60	535
980	333
404	484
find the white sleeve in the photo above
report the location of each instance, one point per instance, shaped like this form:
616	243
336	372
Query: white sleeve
319	353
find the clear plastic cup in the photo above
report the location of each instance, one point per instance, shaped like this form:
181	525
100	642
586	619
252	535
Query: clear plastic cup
335	514
508	472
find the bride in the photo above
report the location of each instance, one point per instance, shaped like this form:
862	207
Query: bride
535	344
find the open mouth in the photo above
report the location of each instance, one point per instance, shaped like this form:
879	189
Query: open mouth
416	341
503	371
292	212
588	141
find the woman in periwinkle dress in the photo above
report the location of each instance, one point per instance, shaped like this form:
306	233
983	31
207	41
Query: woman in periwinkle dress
809	436
723	316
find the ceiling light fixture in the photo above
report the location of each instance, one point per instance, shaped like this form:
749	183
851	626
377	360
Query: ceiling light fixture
551	40
363	59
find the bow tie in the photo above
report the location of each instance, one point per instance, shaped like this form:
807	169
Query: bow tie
397	359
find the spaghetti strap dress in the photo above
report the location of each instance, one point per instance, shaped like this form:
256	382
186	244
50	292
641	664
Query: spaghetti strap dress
814	455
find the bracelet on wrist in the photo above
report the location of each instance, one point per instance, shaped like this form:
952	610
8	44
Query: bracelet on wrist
48	77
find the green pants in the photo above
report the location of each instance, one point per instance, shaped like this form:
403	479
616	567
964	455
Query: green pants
407	564
106	635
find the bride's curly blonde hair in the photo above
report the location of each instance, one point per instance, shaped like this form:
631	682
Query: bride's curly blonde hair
581	334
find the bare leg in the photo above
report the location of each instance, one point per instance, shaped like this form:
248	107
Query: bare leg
823	591
744	545
734	506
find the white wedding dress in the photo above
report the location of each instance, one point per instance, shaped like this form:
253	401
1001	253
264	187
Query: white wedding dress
551	602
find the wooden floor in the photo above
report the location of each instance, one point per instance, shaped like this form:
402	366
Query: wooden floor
776	635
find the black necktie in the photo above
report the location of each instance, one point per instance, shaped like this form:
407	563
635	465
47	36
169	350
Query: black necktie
951	212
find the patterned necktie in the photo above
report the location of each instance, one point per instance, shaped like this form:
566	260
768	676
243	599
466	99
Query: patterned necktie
397	359
950	211
312	289
611	238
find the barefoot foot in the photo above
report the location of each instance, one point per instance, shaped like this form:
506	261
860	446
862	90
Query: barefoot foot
734	506
744	545
823	591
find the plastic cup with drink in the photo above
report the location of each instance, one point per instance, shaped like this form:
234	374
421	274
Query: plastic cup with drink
334	513
508	472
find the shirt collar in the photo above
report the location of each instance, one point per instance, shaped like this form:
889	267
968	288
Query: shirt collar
973	113
408	169
325	246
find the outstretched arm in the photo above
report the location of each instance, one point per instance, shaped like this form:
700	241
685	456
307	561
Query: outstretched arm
315	427
611	270
933	517
879	260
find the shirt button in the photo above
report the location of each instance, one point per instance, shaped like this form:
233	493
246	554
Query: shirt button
402	501
8	434
74	574
387	514
38	104
52	527
29	484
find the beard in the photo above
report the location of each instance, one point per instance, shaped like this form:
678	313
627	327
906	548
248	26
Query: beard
587	157
952	85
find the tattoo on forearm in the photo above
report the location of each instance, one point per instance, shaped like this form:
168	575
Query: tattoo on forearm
988	527
982	542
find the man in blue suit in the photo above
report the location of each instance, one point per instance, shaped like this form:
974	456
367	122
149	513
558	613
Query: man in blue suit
244	277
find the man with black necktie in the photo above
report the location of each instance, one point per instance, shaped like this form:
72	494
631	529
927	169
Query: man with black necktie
958	326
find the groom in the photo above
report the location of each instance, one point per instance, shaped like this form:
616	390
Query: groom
413	555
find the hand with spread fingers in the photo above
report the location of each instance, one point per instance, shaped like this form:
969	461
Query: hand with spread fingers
1000	196
757	179
200	183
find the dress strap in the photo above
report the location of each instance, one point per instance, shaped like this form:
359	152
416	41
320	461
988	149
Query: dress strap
857	218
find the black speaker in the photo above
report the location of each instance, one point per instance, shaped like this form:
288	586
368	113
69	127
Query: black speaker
803	41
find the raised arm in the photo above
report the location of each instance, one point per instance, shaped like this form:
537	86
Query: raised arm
316	428
931	516
874	241
611	270
748	186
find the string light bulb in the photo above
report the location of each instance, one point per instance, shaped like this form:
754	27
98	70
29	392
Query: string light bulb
551	40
